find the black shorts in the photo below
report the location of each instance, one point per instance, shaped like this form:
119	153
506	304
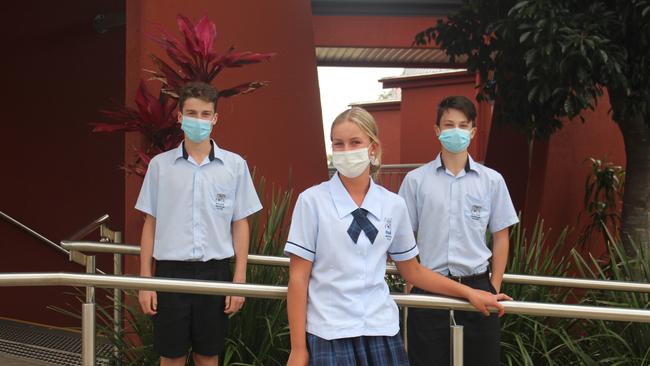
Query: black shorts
189	320
429	333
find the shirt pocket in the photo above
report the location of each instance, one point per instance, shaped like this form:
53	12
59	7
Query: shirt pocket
222	200
477	210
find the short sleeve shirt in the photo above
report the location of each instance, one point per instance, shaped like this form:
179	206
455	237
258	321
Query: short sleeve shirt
195	203
451	214
347	293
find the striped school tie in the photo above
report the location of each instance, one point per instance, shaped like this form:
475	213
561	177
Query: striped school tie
361	222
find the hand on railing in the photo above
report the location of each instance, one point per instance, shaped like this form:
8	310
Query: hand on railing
148	301
234	304
482	299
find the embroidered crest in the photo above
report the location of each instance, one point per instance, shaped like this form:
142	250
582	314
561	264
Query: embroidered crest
220	202
388	228
476	212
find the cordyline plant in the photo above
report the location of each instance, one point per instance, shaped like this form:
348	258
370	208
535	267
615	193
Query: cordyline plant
193	59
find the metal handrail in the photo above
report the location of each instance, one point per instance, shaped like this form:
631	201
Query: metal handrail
280	292
81	233
77	235
33	233
583	283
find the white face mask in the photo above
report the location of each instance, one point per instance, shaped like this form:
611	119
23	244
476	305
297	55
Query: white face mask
351	163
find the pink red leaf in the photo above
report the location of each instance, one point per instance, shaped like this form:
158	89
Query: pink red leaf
187	28
206	32
245	58
242	89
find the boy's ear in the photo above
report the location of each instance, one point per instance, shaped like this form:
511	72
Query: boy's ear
180	117
437	130
215	119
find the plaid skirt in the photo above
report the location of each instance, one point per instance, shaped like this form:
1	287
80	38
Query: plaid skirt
357	351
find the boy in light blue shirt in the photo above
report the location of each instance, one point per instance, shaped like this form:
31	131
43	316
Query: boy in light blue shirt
452	201
196	198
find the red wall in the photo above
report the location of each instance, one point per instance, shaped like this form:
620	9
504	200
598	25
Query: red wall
278	129
553	187
567	166
57	175
420	98
368	31
388	118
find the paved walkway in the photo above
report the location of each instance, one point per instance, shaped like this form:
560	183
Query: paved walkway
9	360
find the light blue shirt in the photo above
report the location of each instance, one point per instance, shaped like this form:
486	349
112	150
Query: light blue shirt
451	215
195	203
347	293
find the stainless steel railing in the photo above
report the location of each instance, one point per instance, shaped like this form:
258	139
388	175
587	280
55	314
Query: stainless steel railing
583	283
77	251
456	331
279	292
88	310
80	234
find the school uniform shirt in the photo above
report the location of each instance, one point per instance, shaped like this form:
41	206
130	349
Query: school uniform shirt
195	203
347	293
451	214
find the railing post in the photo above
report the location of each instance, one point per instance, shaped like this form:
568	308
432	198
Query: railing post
88	319
456	341
117	301
115	237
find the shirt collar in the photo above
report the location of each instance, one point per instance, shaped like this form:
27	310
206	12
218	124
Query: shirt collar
344	203
470	165
215	151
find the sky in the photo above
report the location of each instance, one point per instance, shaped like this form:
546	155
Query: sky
340	86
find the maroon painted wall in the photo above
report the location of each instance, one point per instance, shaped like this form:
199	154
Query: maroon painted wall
388	118
368	31
420	98
567	167
553	187
57	175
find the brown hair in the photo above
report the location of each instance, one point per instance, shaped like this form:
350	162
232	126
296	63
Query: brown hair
199	90
459	103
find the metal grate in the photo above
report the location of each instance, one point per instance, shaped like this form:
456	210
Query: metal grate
55	346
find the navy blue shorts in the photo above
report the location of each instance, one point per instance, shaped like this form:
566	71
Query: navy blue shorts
357	351
185	321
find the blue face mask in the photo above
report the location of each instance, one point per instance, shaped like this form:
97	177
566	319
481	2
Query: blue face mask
196	129
455	140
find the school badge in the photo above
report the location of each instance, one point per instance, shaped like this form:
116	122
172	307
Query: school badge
388	228
476	212
220	203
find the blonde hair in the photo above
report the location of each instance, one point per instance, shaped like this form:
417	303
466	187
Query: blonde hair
366	122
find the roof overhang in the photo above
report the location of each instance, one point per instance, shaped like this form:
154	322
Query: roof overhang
420	57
